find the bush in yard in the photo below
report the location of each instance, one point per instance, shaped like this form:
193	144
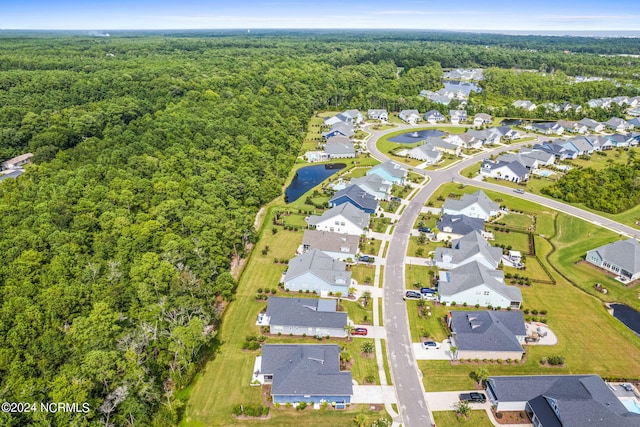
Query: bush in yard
301	406
543	360
556	360
237	410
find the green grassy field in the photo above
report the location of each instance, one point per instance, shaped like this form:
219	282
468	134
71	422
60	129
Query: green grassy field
360	272
371	247
448	418
517	241
358	313
517	220
414	246
417	274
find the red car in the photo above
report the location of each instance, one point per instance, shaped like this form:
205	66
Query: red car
359	331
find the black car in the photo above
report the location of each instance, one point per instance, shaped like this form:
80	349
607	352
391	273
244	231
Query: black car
395	199
412	295
424	230
473	397
366	258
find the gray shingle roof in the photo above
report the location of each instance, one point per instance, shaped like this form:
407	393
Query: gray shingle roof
392	169
350	212
331	242
488	330
373	182
469	199
473	274
339	147
305	369
623	253
359	196
469	245
305	312
582	400
319	264
460	224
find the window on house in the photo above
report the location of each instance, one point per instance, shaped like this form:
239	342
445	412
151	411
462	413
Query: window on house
486	292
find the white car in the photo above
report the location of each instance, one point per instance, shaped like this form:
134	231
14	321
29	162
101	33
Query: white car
428	345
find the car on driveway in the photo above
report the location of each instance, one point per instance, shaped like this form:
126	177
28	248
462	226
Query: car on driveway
366	258
424	229
627	386
395	199
412	295
360	331
428	345
473	397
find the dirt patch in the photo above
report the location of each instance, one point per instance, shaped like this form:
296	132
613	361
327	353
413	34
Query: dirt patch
237	263
511	417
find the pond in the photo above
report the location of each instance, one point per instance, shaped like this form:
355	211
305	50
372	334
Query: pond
308	177
628	316
411	137
464	87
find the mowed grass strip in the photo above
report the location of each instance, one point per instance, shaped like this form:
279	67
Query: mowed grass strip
476	419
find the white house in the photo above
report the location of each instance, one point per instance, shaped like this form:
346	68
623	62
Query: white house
476	205
433	117
380	114
457	116
509	171
344	218
621	258
426	153
473	283
298	316
481	119
338	246
471	247
317	272
410	116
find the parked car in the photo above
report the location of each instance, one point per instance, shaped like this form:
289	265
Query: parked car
360	331
627	386
395	199
428	345
424	229
473	397
366	258
412	295
519	191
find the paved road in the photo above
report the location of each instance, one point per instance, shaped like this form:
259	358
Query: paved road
412	404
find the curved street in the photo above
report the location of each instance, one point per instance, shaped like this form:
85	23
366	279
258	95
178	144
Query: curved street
407	378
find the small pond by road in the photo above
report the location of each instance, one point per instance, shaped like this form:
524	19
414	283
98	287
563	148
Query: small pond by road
415	136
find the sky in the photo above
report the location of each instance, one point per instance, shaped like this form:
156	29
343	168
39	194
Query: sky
536	15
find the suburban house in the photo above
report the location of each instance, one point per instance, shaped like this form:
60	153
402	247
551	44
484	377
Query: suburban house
462	74
339	147
465	140
305	373
317	272
358	197
548	128
487	334
345	218
378	115
330	121
591	125
17	161
410	116
557	150
527	162
458	116
426	153
444	146
616	124
433	117
338	246
568	125
525	105
471	247
561	400
600	142
473	283
374	185
619	141
621	258
456	226
487	136
340	128
441	96
506	132
389	171
481	119
355	116
635	122
476	205
310	316
542	158
582	144
513	171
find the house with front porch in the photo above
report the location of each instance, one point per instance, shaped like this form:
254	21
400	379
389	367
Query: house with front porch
409	116
469	248
338	246
433	117
621	258
310	316
473	283
307	373
344	218
379	114
481	119
487	334
457	116
476	205
317	272
591	125
513	171
374	185
425	153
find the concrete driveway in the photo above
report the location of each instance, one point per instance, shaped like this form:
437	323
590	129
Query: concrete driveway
442	353
372	332
444	400
373	394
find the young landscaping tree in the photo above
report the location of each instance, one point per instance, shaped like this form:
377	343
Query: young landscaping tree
348	329
454	352
480	375
360	420
366	296
367	347
352	291
462	408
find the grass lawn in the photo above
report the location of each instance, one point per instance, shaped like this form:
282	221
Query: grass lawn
417	274
471	171
371	247
355	172
517	241
357	313
448	418
360	272
365	366
380	224
417	178
427	325
414	246
387	369
517	220
447	160
533	270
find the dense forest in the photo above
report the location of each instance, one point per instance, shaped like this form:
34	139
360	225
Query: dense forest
614	189
152	156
